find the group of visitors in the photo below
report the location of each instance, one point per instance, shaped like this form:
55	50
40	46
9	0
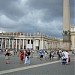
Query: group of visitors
51	54
46	54
64	56
24	56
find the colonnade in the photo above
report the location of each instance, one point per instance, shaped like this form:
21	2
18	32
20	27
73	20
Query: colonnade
20	43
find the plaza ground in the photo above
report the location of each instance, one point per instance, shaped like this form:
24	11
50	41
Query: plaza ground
37	67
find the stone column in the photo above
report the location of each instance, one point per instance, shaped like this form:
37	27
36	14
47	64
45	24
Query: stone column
66	25
2	43
19	43
5	43
33	44
73	42
9	43
30	41
41	43
23	44
12	44
16	43
52	44
66	15
26	42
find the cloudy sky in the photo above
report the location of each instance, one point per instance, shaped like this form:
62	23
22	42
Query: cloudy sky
31	16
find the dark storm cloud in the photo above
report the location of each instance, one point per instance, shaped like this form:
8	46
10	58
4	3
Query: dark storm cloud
12	8
31	16
52	7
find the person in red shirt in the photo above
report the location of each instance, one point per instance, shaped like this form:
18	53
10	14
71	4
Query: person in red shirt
21	56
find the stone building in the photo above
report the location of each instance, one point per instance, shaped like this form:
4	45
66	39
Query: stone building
72	30
73	37
37	41
19	40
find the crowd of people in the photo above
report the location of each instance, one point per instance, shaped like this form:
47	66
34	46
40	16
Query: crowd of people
24	56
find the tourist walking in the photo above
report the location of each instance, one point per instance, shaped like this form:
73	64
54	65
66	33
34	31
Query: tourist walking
46	55
21	56
58	53
41	54
68	58
27	57
50	56
65	57
7	58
